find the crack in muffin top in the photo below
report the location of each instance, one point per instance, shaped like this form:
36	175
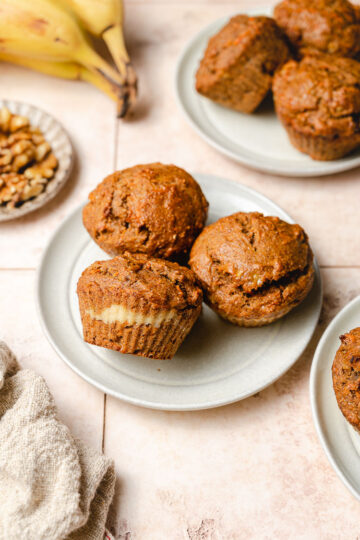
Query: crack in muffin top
157	282
255	251
320	95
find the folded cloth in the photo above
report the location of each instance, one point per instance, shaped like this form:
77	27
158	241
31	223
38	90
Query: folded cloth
52	486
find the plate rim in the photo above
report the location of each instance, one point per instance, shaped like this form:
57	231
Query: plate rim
146	403
313	381
46	196
337	166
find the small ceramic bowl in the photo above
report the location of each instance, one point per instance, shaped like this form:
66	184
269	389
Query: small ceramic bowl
60	143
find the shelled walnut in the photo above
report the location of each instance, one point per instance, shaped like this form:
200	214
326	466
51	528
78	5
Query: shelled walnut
27	163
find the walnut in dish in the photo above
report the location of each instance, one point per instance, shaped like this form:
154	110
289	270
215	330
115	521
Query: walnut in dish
27	162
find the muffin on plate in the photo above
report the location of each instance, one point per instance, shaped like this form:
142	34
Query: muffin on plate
138	305
318	102
320	26
346	377
253	268
154	209
240	61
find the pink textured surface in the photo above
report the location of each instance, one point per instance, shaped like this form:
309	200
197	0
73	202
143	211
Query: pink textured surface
254	469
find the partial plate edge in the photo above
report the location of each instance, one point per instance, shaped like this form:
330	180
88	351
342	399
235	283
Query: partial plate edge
313	383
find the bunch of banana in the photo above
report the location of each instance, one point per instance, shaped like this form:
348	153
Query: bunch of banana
50	36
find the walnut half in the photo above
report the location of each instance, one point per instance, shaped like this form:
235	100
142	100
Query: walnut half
26	160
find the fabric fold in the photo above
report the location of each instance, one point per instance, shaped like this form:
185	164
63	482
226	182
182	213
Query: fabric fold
52	486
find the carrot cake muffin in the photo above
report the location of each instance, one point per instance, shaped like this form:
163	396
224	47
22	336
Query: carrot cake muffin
138	305
154	209
253	269
240	61
346	377
325	26
318	102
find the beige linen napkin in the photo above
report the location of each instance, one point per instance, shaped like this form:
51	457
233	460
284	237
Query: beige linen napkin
51	486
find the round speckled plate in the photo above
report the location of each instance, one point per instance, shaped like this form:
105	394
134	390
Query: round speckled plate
257	140
60	143
339	440
217	364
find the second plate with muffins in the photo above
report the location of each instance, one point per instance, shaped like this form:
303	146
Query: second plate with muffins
236	72
218	362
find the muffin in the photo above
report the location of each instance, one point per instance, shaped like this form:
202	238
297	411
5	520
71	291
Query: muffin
138	305
318	102
240	61
346	377
154	209
253	269
320	26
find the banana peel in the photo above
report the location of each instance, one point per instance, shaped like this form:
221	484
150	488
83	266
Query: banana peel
64	70
44	31
104	19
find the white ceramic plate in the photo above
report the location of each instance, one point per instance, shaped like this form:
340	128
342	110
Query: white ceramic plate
257	140
339	440
217	364
60	143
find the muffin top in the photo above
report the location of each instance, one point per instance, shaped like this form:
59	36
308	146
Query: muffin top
346	376
154	209
236	39
152	282
325	26
252	266
253	249
319	95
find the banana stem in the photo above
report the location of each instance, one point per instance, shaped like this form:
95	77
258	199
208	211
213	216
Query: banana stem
64	70
95	63
114	39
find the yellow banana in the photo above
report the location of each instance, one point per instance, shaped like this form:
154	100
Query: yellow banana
104	18
43	30
64	70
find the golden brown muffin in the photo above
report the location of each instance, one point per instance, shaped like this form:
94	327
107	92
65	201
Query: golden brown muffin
346	377
318	102
138	305
240	61
154	209
253	269
320	26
